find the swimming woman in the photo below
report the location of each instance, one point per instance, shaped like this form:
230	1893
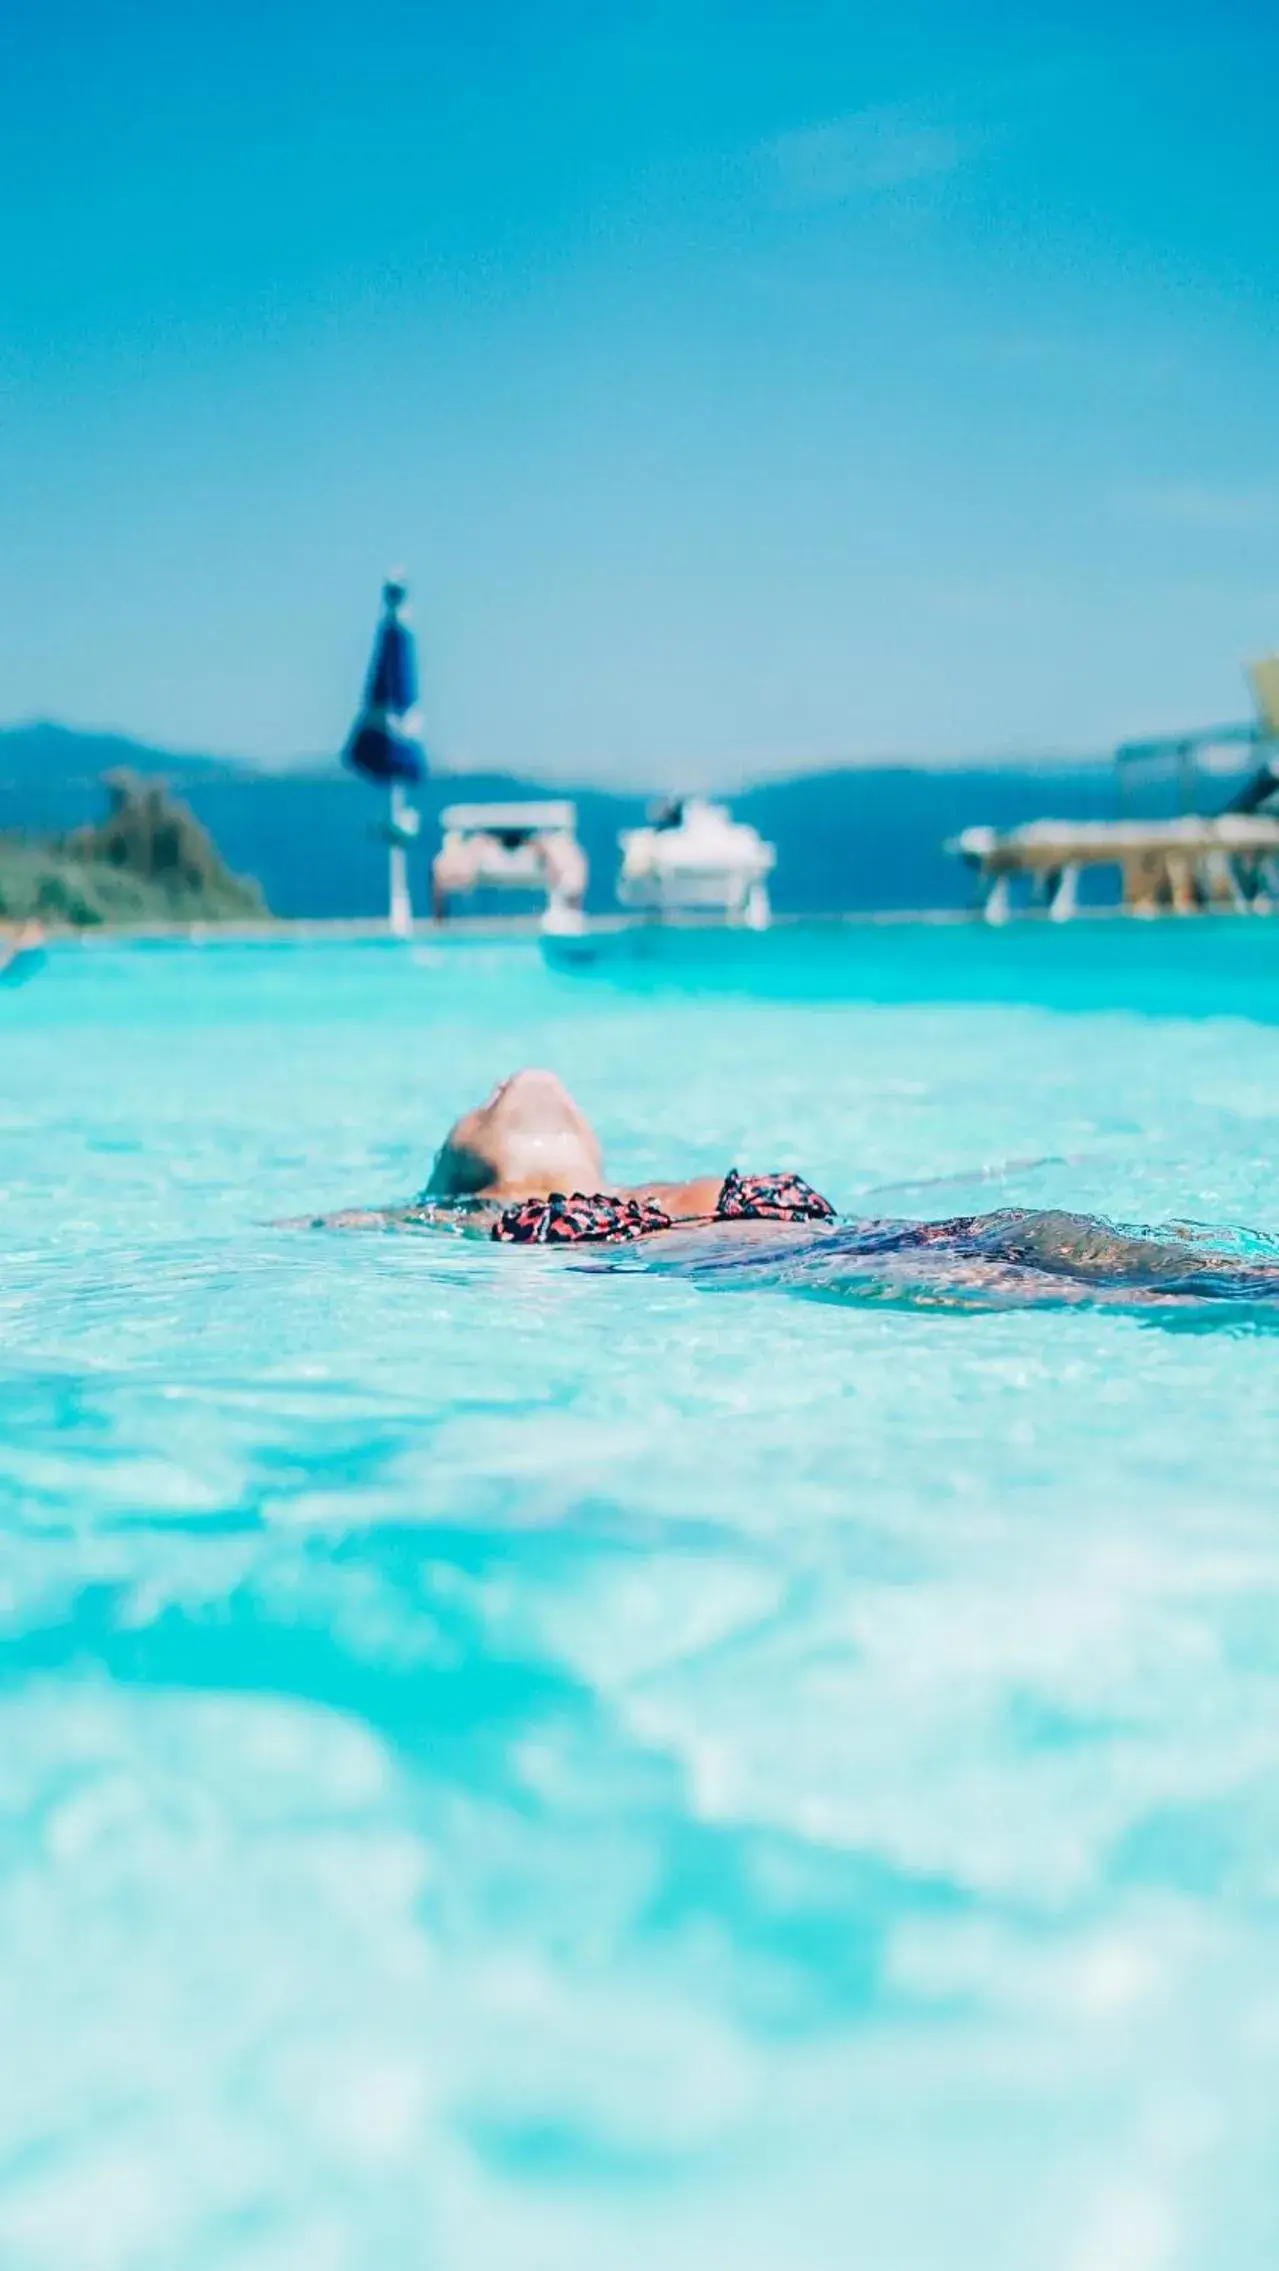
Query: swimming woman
526	1168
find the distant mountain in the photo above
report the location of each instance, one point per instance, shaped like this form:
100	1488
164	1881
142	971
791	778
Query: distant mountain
44	753
872	838
869	838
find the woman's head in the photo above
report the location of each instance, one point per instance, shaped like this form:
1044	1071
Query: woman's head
529	1139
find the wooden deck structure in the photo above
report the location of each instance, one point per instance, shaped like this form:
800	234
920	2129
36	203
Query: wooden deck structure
1179	866
1202	859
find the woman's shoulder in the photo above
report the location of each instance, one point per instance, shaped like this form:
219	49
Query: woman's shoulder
684	1202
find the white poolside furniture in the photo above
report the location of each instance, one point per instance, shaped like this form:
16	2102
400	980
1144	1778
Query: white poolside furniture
512	847
694	858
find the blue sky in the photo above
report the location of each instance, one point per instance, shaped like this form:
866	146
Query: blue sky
744	387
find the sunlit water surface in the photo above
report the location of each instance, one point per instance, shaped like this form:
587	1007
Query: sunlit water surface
509	1766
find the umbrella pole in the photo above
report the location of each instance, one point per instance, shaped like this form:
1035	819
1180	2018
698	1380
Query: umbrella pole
401	906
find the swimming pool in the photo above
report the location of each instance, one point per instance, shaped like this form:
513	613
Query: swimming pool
511	1766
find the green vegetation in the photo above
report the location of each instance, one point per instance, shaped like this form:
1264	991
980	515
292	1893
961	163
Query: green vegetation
148	861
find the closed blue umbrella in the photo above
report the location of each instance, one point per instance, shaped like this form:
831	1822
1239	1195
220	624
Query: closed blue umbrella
383	744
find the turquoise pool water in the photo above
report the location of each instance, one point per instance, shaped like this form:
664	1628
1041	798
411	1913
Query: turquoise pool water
509	1766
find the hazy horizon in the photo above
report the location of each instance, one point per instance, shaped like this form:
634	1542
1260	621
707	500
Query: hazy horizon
641	783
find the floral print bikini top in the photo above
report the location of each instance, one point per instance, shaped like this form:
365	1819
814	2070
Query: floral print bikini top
564	1221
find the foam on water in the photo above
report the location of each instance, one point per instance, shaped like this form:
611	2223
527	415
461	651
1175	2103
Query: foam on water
505	1763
